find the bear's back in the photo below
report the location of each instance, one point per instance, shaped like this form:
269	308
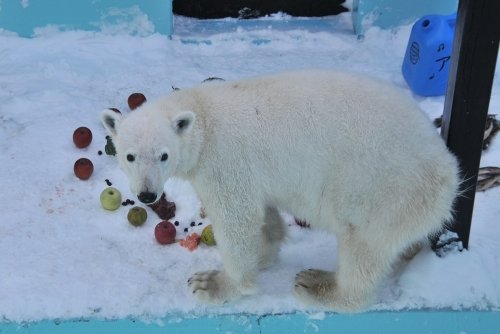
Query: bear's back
318	107
293	136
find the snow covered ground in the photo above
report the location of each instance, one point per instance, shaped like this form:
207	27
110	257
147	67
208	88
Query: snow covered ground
63	256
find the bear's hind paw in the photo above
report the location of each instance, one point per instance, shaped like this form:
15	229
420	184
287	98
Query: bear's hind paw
319	288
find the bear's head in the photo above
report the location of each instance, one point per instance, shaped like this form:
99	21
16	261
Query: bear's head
148	145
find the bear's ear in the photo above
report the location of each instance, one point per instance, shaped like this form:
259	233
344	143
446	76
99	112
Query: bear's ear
110	119
183	122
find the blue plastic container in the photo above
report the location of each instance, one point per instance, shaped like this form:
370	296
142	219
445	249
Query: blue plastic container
427	60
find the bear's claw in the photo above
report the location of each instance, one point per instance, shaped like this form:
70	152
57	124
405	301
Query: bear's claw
320	288
213	287
312	286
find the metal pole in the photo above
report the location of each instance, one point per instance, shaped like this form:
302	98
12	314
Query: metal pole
472	68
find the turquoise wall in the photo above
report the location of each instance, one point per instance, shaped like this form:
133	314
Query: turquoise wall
23	16
407	322
392	13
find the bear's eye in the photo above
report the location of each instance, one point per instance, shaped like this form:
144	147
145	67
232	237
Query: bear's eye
130	157
164	157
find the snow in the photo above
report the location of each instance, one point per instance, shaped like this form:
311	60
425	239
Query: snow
63	256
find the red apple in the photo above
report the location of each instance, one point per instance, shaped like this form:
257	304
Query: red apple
165	232
83	168
82	137
135	100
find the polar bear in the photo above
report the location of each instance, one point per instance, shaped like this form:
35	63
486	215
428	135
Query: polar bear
349	154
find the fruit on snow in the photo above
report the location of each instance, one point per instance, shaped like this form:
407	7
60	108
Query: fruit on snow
191	242
83	168
163	208
135	100
82	137
109	148
137	216
207	236
165	232
116	110
203	214
111	198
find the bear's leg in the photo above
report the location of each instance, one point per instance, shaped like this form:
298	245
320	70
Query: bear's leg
273	234
362	264
240	241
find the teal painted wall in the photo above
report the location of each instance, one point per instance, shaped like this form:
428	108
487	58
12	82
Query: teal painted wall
23	16
392	13
421	322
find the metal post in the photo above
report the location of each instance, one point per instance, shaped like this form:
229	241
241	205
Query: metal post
472	68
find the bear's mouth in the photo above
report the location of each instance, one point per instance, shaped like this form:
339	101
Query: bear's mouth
147	197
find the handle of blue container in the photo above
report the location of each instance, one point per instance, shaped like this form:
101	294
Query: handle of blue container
452	20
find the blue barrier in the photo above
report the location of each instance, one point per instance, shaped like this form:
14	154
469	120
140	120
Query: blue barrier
22	17
393	13
408	322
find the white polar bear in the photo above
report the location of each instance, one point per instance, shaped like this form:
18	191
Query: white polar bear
351	155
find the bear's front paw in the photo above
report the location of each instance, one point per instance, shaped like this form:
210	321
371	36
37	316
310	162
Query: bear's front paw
213	287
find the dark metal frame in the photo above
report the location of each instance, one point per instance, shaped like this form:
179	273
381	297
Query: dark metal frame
474	57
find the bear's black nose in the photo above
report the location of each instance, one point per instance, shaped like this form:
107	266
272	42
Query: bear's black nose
146	197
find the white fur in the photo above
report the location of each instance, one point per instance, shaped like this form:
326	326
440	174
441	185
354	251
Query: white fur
351	155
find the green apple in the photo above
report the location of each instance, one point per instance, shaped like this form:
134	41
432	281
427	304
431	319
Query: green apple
137	216
207	236
111	198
